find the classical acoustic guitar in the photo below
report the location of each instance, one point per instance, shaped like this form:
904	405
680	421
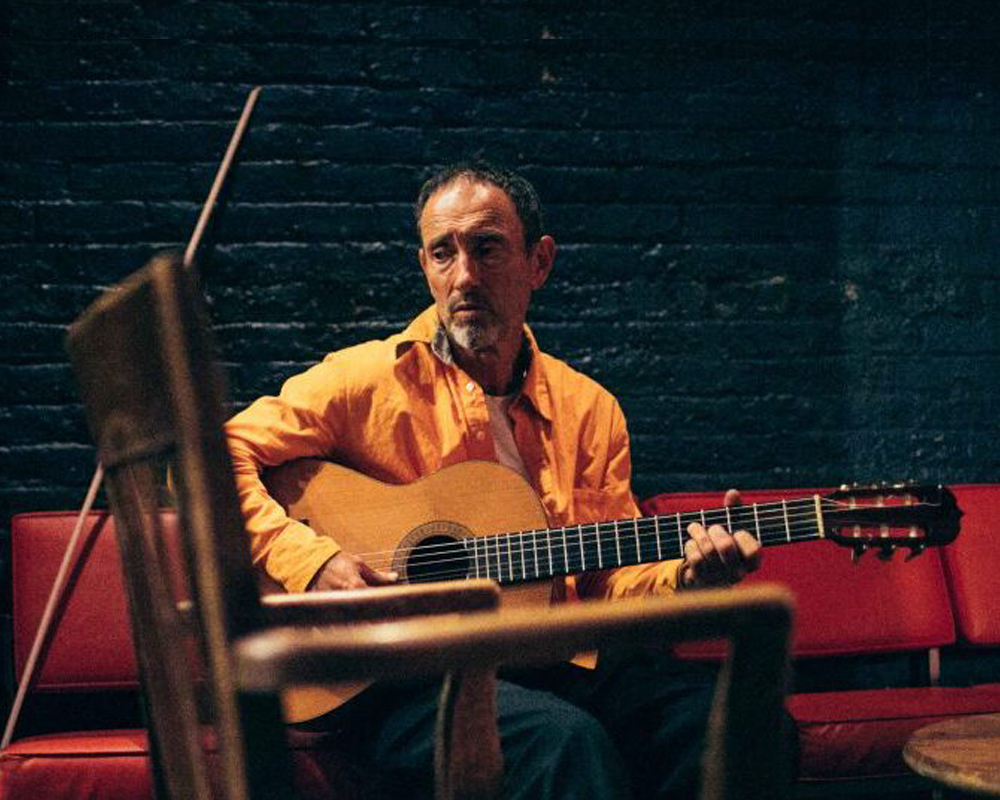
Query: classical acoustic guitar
479	519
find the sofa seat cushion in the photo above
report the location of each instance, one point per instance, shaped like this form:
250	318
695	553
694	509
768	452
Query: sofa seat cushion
857	734
114	765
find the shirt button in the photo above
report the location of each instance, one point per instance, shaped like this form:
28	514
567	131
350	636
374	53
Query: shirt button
470	386
480	435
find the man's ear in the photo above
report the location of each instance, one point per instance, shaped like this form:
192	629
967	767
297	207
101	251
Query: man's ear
543	257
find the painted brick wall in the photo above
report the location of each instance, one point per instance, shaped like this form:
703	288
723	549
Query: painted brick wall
778	227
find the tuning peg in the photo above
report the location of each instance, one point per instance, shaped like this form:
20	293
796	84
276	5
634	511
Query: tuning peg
857	551
915	551
885	552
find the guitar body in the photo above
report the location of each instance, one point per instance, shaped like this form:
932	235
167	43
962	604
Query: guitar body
386	525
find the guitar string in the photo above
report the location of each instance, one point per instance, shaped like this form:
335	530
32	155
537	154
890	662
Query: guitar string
522	554
769	513
796	515
464	564
646	530
464	561
517	561
518	553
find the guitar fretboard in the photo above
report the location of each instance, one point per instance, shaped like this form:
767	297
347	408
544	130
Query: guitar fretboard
511	558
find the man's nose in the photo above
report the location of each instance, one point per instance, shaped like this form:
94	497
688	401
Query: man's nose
466	270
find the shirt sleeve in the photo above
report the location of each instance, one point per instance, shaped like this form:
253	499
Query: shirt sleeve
616	501
299	423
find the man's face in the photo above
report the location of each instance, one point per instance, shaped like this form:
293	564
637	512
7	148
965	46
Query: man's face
474	257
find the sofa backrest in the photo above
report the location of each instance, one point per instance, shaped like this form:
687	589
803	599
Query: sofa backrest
92	648
972	565
843	608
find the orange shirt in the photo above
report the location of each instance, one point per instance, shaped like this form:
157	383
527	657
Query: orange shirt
395	411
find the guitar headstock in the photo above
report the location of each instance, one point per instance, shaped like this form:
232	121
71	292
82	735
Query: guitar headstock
890	516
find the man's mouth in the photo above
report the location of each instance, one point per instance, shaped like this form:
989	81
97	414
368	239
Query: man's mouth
470	307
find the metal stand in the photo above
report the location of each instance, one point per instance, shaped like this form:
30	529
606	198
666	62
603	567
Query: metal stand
75	557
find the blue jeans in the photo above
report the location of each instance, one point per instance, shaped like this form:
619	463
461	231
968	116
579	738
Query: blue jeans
634	727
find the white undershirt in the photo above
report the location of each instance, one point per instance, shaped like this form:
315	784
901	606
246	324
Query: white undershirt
497	405
503	433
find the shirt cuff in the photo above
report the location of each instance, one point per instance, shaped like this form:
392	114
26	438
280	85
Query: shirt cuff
298	556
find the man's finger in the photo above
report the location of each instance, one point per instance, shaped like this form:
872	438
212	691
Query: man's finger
377	577
728	552
703	556
749	549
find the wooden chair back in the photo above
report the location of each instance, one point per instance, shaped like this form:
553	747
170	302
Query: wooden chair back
154	402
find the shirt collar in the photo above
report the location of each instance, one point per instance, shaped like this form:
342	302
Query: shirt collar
426	329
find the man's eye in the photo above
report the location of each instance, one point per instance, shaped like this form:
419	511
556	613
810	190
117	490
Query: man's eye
440	253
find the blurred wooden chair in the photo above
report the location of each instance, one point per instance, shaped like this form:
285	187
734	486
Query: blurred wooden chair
214	656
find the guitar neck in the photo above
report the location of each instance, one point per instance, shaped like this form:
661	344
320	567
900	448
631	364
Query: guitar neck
512	558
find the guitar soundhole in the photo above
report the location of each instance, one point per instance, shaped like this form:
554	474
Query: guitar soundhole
437	558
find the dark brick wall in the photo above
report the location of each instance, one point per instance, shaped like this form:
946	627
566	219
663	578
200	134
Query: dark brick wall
778	222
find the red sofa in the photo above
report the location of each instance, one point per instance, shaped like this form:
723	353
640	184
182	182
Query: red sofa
871	641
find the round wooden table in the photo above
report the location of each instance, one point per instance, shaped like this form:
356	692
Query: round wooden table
961	753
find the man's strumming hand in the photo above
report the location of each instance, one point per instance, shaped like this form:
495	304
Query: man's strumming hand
345	571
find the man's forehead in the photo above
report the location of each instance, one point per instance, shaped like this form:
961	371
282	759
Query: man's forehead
467	204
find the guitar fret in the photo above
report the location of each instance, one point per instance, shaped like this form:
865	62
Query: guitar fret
524	569
729	521
784	510
583	555
565	550
475	555
534	545
638	544
680	537
600	553
510	558
548	539
756	523
618	544
659	544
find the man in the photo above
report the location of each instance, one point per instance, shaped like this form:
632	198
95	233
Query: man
466	380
